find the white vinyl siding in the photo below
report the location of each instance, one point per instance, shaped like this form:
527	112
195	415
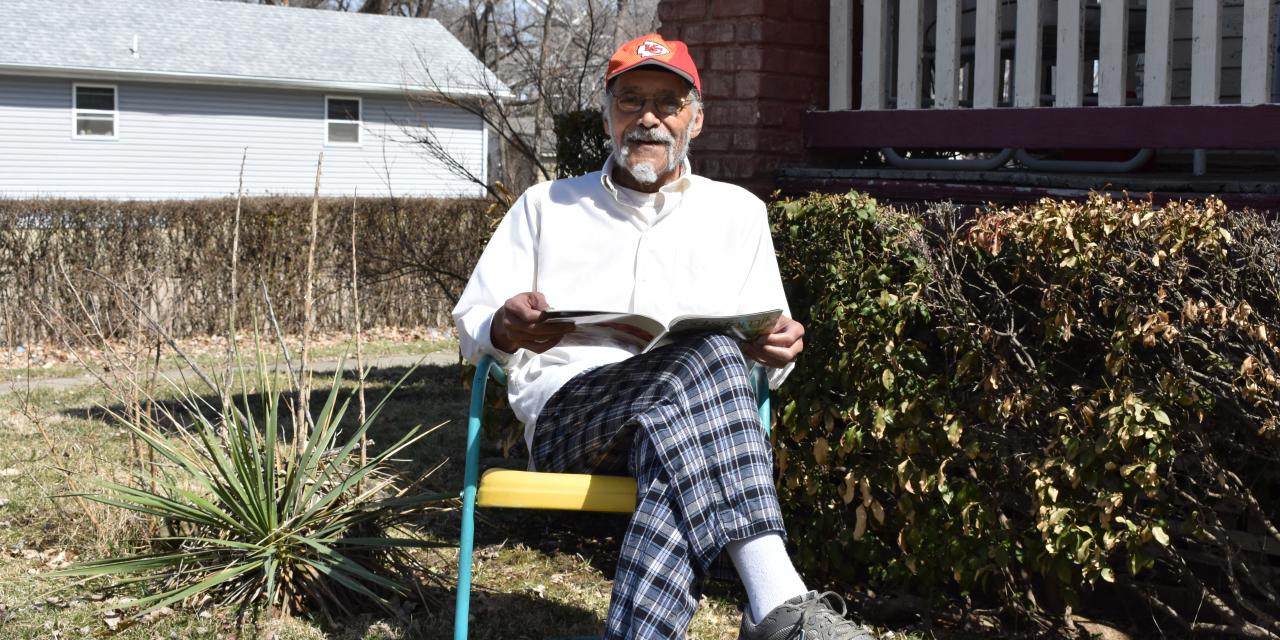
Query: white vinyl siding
93	115
186	141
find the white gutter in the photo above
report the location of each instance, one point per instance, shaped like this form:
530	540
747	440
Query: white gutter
180	77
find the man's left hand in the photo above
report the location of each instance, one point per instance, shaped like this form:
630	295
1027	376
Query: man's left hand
779	347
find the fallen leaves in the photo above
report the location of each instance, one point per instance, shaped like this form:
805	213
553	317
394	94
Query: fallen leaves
46	560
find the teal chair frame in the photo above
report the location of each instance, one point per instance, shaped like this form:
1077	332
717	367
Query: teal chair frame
487	369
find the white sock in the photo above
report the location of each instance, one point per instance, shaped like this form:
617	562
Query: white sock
766	571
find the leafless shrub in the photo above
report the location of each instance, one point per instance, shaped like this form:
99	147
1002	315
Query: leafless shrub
173	258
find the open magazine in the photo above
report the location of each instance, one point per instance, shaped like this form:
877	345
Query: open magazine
648	334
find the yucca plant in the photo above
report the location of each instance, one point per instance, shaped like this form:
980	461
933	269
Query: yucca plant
257	522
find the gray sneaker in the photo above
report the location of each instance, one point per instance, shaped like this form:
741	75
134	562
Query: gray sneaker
804	617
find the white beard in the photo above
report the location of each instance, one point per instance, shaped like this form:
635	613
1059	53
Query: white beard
643	172
646	173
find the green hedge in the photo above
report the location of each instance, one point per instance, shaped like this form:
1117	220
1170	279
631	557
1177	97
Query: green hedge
174	257
1034	405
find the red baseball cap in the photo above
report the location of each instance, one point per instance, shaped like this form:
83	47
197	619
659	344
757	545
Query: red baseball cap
654	50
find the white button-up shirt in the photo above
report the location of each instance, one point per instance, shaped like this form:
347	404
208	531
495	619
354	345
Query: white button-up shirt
700	247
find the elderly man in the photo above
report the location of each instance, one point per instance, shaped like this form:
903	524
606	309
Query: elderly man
646	235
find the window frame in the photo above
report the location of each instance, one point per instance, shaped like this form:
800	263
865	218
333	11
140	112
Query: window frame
77	111
359	121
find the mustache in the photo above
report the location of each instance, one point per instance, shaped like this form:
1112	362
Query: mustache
649	135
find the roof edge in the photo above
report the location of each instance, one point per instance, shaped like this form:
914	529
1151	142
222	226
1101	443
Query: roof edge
178	77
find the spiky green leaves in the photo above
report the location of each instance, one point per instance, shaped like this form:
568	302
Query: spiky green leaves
261	522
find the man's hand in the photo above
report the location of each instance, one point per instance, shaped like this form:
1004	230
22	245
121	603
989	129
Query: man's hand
521	324
779	347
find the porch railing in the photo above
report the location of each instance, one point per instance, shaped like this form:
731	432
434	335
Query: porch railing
985	54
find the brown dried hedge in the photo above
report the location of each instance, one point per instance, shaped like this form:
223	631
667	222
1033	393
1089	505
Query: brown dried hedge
174	257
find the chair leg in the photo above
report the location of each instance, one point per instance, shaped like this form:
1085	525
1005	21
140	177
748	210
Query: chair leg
466	544
470	480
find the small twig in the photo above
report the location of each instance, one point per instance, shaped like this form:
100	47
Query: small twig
275	326
308	312
155	326
1253	503
89	369
149	394
1221	537
235	262
1239	625
28	410
355	302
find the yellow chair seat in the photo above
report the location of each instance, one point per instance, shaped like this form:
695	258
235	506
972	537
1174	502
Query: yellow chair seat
565	491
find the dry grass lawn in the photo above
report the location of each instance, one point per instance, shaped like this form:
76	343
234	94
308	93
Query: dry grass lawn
538	575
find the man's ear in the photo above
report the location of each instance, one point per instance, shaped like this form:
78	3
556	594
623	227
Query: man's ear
697	124
606	103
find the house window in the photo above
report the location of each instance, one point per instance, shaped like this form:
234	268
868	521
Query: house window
94	112
342	119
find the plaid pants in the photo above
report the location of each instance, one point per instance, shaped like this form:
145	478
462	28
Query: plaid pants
682	419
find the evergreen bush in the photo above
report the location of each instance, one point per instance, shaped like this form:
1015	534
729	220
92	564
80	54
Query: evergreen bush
581	145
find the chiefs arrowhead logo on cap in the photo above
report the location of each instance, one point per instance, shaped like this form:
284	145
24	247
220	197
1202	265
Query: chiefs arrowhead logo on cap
653	50
649	48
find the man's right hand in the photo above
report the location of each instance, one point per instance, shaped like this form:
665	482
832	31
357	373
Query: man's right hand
521	324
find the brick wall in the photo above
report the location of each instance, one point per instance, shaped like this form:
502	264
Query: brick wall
763	63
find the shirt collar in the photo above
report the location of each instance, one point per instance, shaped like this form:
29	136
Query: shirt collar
678	185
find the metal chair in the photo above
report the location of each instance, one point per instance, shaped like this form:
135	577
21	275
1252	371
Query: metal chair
538	490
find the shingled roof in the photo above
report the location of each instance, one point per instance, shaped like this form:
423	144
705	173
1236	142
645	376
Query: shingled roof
209	42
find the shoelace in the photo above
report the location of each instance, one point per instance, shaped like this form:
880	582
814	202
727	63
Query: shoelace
835	619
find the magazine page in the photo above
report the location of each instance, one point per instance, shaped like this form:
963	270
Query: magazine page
630	328
741	327
647	333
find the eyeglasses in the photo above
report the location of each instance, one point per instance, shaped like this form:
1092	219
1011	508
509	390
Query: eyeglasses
664	104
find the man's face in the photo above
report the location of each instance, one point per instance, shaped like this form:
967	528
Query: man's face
648	145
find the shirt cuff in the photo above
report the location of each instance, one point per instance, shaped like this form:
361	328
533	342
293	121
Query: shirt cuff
485	341
776	376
